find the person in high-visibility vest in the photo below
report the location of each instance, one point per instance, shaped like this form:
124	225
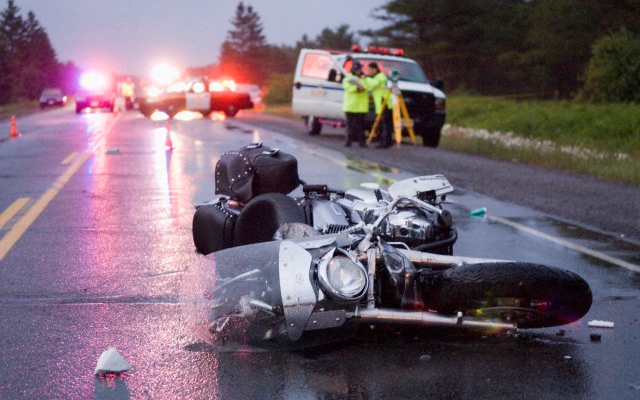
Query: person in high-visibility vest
355	104
377	83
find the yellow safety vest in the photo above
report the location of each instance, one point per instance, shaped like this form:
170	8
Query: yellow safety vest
355	101
378	86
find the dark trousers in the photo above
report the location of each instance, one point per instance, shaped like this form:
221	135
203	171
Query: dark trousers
386	128
355	128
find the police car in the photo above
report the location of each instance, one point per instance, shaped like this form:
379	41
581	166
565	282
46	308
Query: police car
197	94
317	89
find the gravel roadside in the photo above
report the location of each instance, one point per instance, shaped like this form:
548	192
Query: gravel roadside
608	207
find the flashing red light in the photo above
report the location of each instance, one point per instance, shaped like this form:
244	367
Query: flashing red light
94	81
223	85
392	51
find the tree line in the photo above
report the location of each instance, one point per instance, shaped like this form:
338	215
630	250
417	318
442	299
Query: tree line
540	48
28	62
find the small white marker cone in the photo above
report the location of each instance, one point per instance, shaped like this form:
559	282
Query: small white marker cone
111	361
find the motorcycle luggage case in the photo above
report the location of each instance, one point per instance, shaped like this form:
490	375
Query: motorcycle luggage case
213	228
254	170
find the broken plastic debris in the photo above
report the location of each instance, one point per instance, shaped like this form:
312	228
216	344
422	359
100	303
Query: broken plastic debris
600	324
111	362
478	211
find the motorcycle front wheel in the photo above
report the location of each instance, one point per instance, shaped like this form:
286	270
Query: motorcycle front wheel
528	295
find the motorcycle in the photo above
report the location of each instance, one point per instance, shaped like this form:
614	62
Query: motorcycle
305	287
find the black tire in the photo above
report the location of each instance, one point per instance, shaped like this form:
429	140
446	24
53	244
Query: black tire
430	137
529	295
231	111
314	127
263	215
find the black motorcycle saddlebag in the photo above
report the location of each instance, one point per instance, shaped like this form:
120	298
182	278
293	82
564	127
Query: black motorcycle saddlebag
213	228
254	170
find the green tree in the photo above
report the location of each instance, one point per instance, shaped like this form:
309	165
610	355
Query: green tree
339	39
245	52
613	72
504	46
462	41
27	60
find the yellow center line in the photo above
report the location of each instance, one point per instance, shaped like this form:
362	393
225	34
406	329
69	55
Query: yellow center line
70	157
16	232
13	210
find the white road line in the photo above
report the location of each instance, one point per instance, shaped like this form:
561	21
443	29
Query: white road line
567	244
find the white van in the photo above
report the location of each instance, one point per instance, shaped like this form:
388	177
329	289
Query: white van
317	89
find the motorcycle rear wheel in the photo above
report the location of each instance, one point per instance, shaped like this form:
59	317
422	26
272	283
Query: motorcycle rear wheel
528	295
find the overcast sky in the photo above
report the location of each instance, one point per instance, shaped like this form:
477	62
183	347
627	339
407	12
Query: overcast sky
131	36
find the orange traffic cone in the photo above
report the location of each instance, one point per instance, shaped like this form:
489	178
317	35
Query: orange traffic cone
168	144
14	128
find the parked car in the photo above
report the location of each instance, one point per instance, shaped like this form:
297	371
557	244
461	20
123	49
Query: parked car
52	97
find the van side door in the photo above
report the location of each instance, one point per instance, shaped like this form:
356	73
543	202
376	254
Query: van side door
317	86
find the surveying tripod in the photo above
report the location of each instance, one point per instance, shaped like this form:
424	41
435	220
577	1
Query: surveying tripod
399	113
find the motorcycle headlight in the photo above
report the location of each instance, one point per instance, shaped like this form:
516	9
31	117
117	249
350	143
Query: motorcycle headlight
343	279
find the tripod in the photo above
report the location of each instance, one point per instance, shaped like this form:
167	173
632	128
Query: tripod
398	111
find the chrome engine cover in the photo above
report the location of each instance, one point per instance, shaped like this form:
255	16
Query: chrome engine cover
328	216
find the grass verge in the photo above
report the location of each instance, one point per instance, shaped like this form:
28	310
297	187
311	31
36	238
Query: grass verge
599	140
18	109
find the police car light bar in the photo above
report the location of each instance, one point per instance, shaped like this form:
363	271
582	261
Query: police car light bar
392	51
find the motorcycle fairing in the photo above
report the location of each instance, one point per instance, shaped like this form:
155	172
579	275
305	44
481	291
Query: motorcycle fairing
296	289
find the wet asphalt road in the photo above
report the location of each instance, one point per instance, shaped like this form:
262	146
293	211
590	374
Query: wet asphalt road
98	253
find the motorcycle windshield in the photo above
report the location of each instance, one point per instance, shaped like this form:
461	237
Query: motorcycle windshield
254	297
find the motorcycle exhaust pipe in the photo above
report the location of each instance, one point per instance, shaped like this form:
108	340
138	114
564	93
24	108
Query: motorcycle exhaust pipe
420	318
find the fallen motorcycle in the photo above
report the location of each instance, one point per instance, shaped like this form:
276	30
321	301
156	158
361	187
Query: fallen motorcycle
307	288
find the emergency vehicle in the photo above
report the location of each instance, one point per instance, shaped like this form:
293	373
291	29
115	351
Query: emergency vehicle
195	94
317	88
96	92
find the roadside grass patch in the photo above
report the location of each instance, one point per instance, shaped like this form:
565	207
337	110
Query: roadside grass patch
600	140
618	167
21	108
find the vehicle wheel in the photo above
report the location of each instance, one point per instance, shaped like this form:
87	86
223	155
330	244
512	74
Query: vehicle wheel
430	137
314	127
263	215
529	295
231	111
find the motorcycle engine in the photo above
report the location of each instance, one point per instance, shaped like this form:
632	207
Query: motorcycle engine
408	227
329	217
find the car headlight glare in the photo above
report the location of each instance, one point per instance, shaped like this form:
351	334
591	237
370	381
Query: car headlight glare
343	278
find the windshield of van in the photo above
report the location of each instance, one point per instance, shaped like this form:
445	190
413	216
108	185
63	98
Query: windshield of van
407	71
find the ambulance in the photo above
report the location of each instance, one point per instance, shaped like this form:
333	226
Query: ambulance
317	89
